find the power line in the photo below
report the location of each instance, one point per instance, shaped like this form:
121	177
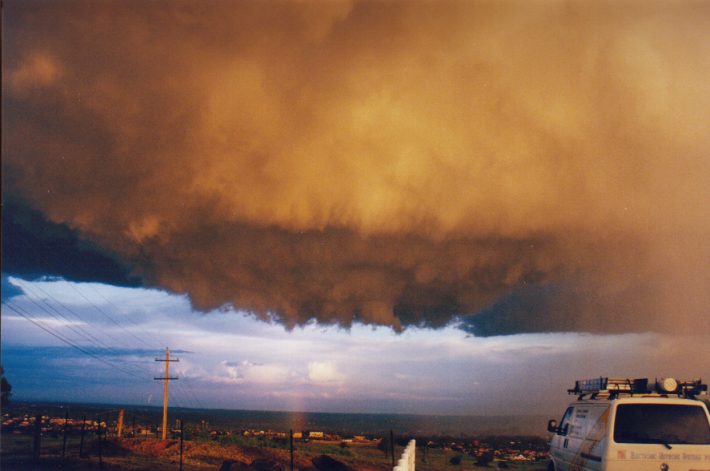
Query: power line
26	315
183	387
83	333
157	343
78	329
107	316
52	311
87	336
186	388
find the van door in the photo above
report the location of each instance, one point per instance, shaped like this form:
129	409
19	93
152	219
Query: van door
559	446
587	434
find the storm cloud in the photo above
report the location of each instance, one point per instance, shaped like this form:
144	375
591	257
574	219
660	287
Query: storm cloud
388	163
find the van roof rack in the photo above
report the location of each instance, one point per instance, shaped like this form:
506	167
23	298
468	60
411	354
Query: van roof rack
611	388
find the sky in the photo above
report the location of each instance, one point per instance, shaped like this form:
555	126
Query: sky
354	206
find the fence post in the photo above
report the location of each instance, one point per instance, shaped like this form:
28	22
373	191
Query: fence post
64	441
290	433
37	444
81	441
182	437
101	459
119	424
392	446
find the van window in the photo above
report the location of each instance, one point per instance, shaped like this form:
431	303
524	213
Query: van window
661	423
564	423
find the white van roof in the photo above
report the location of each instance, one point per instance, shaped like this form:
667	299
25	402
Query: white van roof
638	399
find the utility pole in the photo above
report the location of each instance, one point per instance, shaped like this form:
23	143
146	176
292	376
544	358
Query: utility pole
166	378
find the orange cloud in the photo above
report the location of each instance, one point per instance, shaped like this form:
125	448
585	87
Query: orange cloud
391	163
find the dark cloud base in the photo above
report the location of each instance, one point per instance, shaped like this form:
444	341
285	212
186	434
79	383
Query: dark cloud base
567	306
34	247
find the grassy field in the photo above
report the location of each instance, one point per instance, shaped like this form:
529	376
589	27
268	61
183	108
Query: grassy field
153	454
204	451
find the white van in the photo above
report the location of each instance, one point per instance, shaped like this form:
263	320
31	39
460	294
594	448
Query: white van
632	424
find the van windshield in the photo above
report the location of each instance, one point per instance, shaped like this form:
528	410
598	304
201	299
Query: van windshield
661	423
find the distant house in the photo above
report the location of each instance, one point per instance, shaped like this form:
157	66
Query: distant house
316	435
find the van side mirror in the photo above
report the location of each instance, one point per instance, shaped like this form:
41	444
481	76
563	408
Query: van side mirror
552	426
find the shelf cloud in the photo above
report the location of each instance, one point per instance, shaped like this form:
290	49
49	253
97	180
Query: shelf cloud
524	167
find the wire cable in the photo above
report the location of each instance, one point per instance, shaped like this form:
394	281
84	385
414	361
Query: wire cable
84	334
26	315
61	318
128	318
184	391
106	315
87	335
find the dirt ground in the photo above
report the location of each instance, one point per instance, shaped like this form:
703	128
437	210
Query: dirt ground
157	455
